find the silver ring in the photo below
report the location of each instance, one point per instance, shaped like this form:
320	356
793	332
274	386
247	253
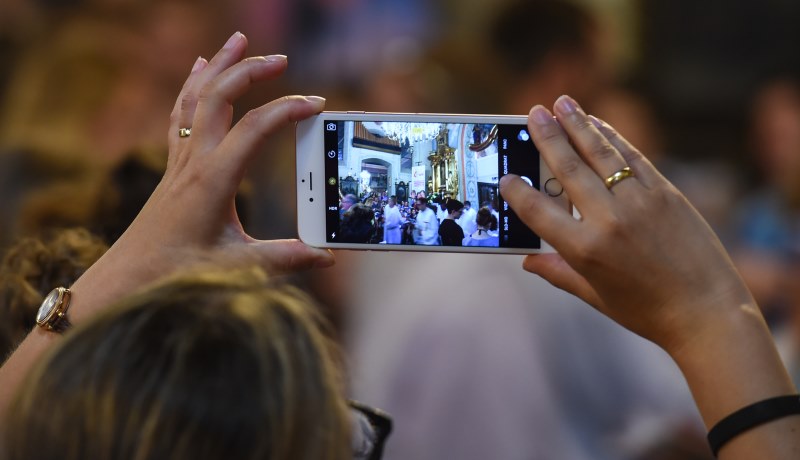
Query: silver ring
184	132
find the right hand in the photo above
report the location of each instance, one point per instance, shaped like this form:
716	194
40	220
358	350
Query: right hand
641	254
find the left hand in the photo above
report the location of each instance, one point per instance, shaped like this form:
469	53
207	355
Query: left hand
191	213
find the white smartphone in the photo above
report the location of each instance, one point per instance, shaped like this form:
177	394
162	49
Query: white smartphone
391	181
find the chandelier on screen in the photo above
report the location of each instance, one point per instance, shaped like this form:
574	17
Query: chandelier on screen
414	132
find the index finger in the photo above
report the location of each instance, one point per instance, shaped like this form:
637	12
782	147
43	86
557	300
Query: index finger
241	144
581	183
539	212
593	147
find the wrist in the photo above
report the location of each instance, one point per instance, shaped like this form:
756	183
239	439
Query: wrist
721	311
114	276
731	362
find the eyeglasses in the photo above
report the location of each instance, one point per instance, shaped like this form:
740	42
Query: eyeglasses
371	427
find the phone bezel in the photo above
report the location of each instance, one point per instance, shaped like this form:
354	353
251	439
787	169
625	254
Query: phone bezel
310	179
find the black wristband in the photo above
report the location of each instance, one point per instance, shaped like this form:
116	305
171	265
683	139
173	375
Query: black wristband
750	417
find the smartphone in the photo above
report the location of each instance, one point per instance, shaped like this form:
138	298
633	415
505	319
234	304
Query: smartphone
384	181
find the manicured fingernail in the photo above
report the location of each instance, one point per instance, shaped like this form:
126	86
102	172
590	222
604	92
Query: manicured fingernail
198	64
315	99
541	116
275	58
235	38
566	104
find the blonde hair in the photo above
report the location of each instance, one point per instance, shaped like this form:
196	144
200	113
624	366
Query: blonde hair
203	366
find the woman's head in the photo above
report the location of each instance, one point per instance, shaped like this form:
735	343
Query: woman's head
484	218
209	365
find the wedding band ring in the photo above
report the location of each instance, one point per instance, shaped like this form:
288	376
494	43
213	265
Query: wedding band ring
618	177
184	132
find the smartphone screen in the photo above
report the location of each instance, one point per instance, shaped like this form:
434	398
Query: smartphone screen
389	182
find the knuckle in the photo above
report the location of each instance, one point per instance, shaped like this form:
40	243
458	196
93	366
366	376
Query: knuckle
207	91
286	100
188	102
667	196
611	134
602	150
550	135
250	119
568	166
189	179
583	124
529	205
631	155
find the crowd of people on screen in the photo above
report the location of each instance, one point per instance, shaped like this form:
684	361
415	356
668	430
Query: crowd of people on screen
382	219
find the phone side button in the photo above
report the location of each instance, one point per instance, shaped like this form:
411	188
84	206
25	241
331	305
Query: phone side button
553	187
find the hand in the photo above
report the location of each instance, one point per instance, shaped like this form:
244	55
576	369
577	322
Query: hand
191	213
640	254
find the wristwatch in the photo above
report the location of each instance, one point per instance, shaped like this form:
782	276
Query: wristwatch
52	314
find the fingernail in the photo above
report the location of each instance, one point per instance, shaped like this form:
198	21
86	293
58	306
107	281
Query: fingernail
315	99
596	121
567	105
235	38
198	64
506	179
275	58
541	116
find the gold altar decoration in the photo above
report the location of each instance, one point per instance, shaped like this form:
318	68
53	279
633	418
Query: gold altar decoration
444	165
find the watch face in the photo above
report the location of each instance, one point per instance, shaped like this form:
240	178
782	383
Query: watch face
47	306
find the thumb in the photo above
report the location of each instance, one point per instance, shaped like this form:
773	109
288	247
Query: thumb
285	256
556	271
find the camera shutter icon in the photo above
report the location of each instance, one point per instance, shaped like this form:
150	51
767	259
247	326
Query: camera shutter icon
331	127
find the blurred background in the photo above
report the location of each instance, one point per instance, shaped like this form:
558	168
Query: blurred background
475	358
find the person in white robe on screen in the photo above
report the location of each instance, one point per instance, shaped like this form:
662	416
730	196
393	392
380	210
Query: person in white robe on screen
392	221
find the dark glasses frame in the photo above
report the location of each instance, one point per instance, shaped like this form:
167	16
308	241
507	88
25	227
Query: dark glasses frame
381	426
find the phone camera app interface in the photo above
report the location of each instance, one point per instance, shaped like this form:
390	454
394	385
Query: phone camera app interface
405	183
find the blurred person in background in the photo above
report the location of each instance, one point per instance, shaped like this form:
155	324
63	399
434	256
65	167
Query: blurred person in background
767	227
787	333
710	185
544	49
89	90
483	371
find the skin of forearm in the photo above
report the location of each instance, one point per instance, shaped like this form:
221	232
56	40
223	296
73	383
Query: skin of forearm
99	287
20	362
735	364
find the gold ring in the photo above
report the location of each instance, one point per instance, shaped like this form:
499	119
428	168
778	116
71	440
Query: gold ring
184	132
618	177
